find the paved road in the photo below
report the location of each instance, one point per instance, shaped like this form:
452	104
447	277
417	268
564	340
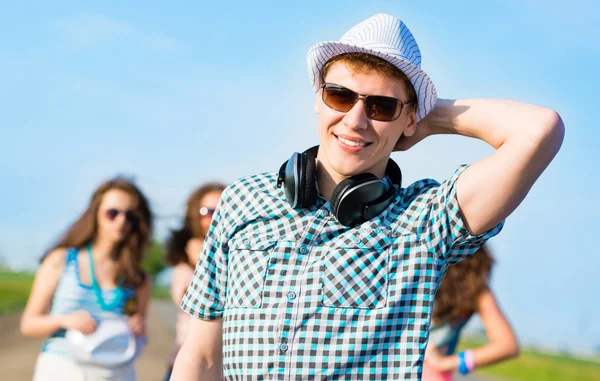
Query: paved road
18	354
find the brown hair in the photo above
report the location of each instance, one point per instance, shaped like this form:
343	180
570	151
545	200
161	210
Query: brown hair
364	62
191	224
130	252
459	292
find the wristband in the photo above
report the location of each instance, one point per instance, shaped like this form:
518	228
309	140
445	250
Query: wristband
462	365
470	360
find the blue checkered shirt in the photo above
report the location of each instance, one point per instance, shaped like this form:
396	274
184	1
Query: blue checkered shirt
303	297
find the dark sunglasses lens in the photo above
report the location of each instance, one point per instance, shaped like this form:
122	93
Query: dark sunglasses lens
382	108
204	211
111	214
339	98
130	216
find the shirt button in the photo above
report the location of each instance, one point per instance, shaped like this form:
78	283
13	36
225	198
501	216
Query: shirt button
303	249
357	241
324	213
247	242
283	347
397	234
291	295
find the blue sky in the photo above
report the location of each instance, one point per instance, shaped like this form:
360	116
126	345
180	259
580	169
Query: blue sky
146	89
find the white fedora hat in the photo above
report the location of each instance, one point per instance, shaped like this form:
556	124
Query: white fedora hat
386	37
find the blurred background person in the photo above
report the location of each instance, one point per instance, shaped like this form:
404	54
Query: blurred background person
183	249
92	275
464	292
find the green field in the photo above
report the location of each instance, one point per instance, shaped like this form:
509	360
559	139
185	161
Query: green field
161	292
538	366
14	290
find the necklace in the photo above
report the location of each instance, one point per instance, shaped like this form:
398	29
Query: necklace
96	289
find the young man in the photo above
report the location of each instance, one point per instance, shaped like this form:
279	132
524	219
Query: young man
313	282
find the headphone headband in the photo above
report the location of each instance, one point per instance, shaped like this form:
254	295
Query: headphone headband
354	200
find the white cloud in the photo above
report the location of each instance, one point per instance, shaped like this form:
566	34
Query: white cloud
89	30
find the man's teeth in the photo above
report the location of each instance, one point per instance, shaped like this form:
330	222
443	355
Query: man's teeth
352	142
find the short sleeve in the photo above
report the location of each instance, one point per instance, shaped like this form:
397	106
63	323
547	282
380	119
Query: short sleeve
445	230
205	296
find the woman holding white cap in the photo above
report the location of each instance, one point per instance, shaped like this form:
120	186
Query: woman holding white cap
90	294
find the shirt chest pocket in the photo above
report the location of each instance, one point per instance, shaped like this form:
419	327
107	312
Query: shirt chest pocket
247	267
355	270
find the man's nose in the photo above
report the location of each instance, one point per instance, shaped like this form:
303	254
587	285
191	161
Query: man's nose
357	117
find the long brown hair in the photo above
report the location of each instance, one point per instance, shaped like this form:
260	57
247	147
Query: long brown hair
128	253
191	224
459	292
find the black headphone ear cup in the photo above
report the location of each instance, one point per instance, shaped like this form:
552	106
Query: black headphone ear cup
337	191
340	190
393	172
308	194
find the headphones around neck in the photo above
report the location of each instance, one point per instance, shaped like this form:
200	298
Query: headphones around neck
353	201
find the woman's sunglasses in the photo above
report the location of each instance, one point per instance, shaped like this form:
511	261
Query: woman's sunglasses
113	213
377	107
204	211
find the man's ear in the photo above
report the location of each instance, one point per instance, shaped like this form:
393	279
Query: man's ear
412	123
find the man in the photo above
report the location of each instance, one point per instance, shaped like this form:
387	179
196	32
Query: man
294	287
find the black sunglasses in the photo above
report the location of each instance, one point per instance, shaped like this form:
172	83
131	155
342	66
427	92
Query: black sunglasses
377	107
113	213
204	211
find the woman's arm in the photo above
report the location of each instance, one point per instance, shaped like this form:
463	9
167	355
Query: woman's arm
184	272
180	281
502	340
35	320
137	322
143	295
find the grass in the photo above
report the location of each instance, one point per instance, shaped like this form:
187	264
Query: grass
16	286
539	366
161	292
14	290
